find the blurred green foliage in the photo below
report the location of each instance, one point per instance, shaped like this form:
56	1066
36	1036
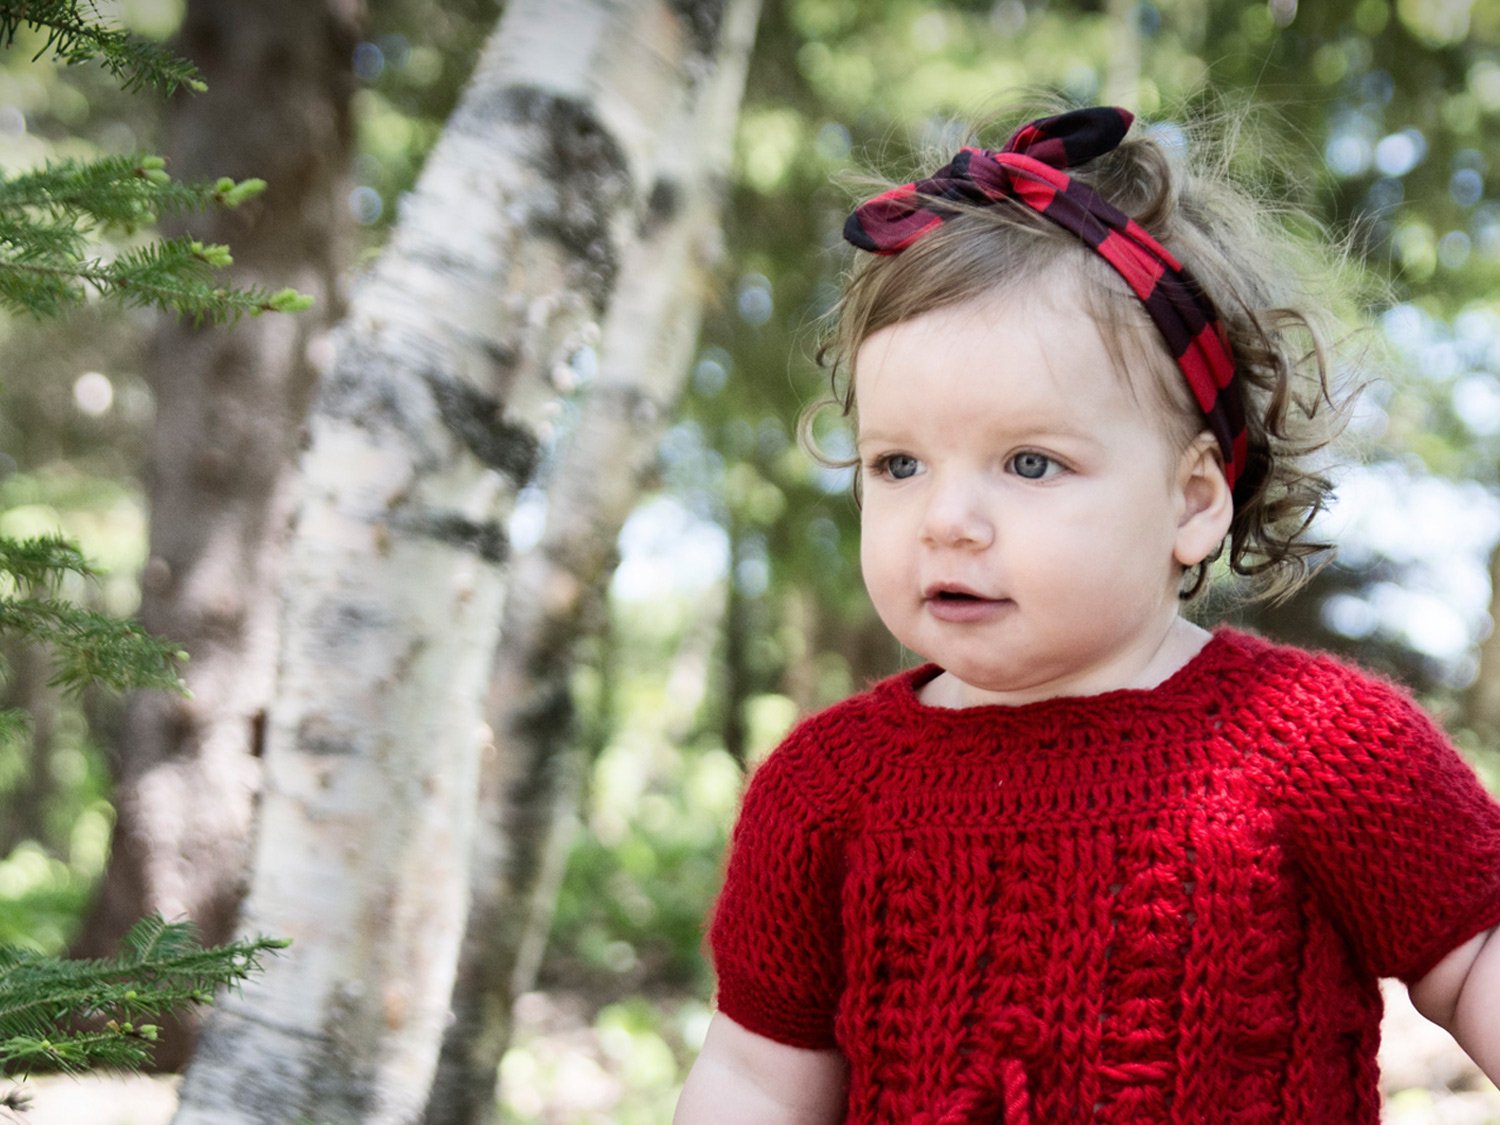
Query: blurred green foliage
1384	118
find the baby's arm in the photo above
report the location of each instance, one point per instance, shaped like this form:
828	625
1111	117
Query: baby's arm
741	1077
1462	993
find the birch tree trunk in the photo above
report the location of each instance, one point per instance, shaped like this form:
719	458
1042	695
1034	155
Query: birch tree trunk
530	777
428	421
230	404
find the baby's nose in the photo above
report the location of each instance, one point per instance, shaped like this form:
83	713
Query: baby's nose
956	518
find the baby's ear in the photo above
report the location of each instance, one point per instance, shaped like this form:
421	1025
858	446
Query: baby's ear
1205	502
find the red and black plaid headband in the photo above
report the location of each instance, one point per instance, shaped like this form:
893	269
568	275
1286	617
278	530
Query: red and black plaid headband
1030	170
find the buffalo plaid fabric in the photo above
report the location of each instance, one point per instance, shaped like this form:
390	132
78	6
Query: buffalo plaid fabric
1031	171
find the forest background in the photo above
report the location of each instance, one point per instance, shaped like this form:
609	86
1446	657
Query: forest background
736	603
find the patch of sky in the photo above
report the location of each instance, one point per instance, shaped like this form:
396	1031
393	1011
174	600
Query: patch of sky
833	142
1466	187
1476	401
1484	226
1348	154
711	372
753	299
1350	148
1440	533
1453	250
1170	135
667	550
1408	328
366	205
753	575
527	518
1477	331
1398	153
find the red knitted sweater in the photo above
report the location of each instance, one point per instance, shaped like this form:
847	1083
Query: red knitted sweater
1165	905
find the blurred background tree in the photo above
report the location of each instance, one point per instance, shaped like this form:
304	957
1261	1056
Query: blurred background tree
737	603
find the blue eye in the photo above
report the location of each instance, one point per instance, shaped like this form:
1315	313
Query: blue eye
897	466
1032	466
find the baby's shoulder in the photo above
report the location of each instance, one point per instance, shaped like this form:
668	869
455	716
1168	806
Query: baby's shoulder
1317	700
826	754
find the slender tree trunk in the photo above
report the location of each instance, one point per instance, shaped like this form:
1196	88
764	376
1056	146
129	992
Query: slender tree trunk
530	778
737	638
1483	702
26	687
230	404
1122	83
428	422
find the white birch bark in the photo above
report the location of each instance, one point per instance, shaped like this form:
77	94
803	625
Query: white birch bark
557	589
426	424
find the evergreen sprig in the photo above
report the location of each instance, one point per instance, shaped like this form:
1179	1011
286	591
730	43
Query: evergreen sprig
87	646
41	562
75	32
49	217
58	1015
92	647
124	192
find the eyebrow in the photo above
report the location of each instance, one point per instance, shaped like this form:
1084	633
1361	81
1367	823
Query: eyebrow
1026	430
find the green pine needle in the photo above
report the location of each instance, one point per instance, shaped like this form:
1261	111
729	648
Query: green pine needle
69	1016
74	32
41	562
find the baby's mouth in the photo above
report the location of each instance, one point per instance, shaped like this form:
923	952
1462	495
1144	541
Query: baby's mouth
960	606
954	593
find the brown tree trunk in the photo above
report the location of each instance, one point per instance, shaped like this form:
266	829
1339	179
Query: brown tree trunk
230	404
1482	705
26	688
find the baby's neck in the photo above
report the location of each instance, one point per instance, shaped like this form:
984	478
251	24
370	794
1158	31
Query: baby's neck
1181	642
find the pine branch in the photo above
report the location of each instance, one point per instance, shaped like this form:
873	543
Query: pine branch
91	647
47	215
40	563
175	275
75	33
72	1015
15	727
117	191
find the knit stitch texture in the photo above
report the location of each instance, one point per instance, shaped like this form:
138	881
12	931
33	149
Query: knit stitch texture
1164	905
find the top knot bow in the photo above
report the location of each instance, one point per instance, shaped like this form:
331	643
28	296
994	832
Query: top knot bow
1032	170
894	220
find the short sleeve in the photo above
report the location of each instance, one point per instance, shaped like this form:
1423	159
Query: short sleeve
1392	827
775	935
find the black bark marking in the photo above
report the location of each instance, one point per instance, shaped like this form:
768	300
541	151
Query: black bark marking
485	538
704	20
587	171
478	420
360	388
662	206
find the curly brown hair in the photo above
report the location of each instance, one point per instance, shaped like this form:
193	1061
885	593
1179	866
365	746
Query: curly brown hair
1270	287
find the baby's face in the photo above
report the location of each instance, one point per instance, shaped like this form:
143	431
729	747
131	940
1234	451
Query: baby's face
1021	507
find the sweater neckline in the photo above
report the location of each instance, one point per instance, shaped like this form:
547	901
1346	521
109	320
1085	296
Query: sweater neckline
1184	696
